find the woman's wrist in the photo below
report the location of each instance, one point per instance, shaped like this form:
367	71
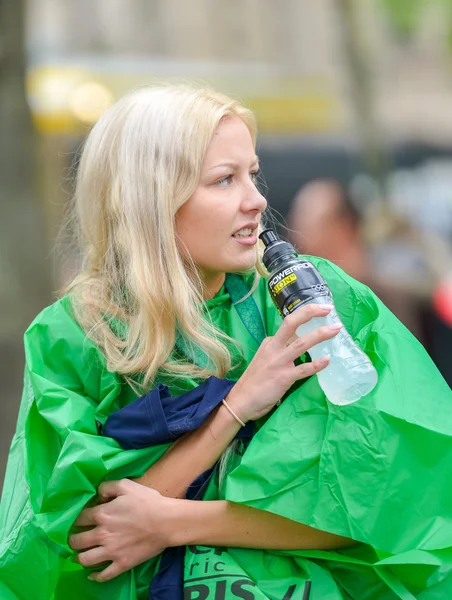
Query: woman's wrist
235	403
232	412
179	526
225	419
190	520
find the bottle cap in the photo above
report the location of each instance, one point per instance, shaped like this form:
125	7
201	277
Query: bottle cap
274	247
268	236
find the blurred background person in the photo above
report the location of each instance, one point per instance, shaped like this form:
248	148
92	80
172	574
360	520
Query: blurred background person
323	221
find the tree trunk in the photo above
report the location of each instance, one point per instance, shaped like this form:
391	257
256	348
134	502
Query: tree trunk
24	271
362	94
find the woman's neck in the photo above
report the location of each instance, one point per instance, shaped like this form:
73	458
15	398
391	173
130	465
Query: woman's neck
213	284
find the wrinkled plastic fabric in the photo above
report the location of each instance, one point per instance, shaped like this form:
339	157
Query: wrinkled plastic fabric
376	471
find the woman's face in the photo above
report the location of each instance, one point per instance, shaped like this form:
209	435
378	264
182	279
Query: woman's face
217	226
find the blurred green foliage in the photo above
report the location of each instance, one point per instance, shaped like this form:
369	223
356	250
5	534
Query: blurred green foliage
405	15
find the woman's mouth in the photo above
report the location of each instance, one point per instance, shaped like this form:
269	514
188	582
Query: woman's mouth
245	236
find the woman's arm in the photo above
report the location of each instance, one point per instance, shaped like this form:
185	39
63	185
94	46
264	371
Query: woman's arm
191	455
267	378
136	523
222	523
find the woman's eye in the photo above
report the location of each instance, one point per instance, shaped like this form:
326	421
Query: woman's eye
255	176
225	181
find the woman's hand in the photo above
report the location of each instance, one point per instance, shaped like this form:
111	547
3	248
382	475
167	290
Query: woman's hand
133	525
272	371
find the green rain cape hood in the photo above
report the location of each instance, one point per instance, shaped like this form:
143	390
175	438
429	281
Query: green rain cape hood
377	470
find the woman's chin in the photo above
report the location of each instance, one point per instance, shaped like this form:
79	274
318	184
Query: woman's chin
234	264
243	266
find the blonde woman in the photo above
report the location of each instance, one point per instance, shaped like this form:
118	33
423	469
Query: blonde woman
165	349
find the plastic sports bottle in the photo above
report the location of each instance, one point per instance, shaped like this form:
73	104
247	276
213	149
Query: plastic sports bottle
294	282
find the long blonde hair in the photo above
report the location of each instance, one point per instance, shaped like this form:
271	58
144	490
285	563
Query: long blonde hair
141	162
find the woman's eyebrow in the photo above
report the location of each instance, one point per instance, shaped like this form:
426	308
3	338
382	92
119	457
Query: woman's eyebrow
232	164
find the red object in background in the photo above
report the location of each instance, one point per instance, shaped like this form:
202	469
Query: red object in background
442	301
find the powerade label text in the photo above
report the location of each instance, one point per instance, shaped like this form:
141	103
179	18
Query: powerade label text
296	285
288	271
286	281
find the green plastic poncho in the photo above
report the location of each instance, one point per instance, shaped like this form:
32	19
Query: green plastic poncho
376	471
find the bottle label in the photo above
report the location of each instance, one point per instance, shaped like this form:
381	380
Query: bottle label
297	284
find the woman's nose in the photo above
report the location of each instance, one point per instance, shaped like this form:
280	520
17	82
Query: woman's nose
254	201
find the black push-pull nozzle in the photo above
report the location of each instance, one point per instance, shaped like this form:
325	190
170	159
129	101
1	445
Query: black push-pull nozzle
268	236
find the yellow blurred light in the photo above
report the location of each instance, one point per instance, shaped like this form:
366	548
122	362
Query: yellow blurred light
66	99
89	100
302	113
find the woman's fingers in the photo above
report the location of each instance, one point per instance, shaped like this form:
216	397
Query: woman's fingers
308	369
86	539
297	318
93	557
87	517
108	573
302	344
108	490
